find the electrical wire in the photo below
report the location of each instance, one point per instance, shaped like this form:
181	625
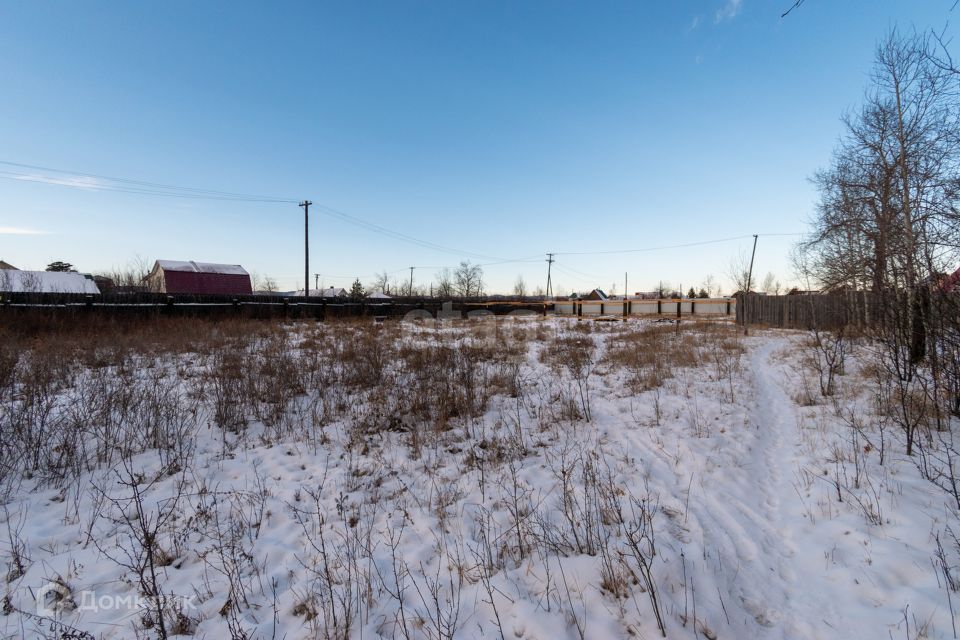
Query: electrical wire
143	187
426	244
99	182
672	246
136	186
646	249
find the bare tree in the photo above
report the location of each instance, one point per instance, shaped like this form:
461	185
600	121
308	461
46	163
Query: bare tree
520	288
710	286
381	283
445	285
133	274
264	283
889	219
770	284
469	279
739	271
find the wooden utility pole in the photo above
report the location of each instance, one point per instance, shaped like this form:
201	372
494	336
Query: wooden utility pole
549	291
752	254
743	298
306	247
316	281
410	292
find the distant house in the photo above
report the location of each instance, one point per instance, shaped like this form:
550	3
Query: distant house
16	281
173	276
379	295
104	283
6	266
950	283
596	294
332	292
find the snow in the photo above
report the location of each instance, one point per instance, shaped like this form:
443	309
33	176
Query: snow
46	282
202	267
338	292
751	540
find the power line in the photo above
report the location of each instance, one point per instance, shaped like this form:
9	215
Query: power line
143	187
672	246
103	187
133	186
577	273
376	228
95	182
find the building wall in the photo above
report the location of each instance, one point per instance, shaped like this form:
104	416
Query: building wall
155	281
206	283
668	308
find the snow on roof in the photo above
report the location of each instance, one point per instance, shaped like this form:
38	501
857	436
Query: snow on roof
202	267
332	292
379	295
46	282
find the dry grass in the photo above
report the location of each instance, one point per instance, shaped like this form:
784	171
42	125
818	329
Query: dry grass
652	354
464	396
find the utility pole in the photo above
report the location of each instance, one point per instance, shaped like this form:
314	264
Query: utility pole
549	284
743	298
624	285
752	254
410	292
306	247
316	281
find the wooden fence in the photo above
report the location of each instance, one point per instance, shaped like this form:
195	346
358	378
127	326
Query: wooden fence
26	305
827	310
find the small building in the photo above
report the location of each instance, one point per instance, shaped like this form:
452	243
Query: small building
379	295
596	294
174	276
332	292
6	266
104	283
16	281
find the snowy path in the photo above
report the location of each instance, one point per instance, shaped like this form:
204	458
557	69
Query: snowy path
750	517
794	596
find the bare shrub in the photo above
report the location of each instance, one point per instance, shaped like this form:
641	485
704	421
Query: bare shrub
228	389
827	356
138	546
574	355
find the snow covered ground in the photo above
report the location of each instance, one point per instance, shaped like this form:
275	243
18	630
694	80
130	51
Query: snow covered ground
518	478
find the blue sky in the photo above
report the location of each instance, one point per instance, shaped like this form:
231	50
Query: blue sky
501	129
